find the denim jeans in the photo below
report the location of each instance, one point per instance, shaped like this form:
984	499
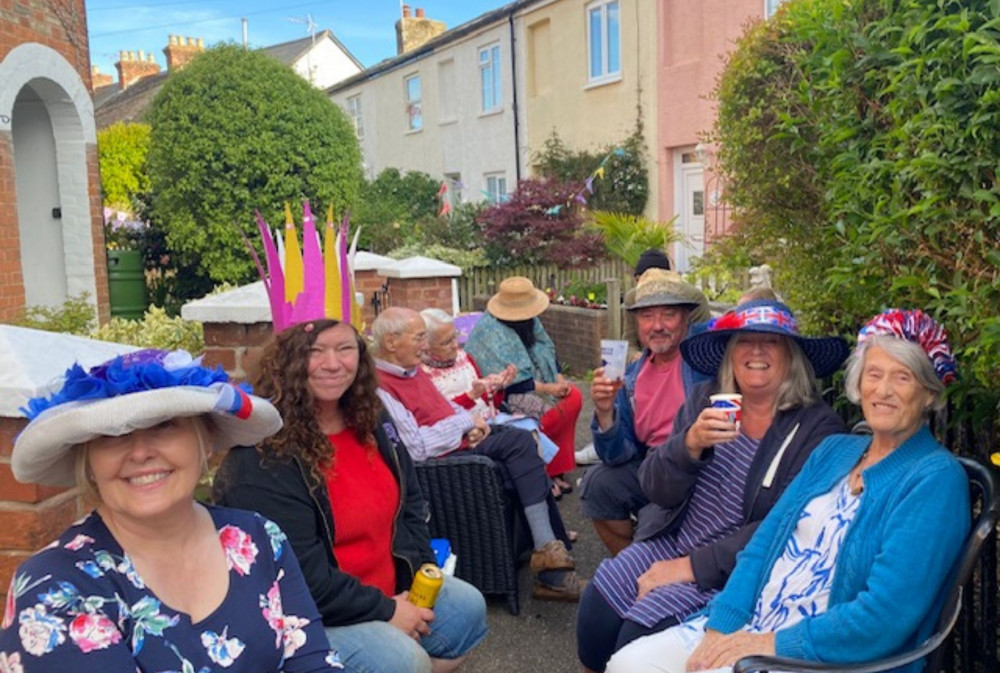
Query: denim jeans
379	647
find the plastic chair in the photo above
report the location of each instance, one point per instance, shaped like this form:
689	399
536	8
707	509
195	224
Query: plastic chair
958	593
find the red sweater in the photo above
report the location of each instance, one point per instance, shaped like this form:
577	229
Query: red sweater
364	497
419	395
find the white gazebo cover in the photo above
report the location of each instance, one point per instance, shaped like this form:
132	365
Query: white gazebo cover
32	362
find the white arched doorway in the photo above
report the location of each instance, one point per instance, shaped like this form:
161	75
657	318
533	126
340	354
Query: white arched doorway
51	131
39	209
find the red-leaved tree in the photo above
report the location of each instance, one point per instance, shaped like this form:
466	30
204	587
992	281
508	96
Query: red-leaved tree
540	223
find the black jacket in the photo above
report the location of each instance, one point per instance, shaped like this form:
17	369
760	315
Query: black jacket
668	476
285	492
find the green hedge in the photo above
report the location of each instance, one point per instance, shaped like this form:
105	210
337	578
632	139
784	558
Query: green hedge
860	143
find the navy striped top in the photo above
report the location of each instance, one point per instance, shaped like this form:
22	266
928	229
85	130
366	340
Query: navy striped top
715	511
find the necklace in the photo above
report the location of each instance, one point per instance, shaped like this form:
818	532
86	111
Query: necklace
854	480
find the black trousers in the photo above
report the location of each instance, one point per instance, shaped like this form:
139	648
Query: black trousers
517	452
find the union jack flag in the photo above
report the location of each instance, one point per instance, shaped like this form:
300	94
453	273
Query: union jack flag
768	315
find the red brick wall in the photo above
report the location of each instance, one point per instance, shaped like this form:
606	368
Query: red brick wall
236	347
11	280
367	283
59	24
576	332
421	293
31	516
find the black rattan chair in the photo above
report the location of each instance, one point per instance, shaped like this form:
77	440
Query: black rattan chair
958	597
469	508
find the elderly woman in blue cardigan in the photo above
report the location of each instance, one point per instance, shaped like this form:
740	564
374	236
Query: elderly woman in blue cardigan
848	564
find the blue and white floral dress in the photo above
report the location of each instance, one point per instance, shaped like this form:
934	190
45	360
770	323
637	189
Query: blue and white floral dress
80	605
800	580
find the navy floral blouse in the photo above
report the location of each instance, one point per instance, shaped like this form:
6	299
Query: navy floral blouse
80	605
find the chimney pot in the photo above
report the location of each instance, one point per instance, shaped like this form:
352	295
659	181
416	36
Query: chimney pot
142	55
406	11
201	43
420	12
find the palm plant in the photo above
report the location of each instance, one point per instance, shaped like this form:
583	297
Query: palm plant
628	236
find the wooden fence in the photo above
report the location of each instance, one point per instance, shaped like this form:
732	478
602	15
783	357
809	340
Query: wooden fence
485	280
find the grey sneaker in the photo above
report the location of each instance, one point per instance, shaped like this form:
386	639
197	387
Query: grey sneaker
587	455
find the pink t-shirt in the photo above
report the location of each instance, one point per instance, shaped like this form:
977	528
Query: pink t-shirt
659	394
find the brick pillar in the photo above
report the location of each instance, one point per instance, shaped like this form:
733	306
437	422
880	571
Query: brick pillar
31	516
421	293
367	283
236	347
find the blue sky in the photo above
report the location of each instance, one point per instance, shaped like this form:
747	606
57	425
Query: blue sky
365	27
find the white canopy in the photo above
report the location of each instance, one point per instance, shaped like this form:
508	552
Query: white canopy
32	362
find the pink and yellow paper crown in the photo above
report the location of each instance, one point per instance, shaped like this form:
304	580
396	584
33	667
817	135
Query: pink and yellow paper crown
304	283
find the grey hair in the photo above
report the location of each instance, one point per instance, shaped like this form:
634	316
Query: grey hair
907	353
435	318
799	389
393	320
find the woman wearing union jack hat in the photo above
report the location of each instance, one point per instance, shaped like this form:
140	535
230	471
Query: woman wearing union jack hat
713	480
848	564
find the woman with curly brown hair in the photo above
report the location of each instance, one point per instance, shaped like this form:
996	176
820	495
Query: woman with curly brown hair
338	459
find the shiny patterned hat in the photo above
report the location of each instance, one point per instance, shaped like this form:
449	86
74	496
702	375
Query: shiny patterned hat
921	329
131	392
704	351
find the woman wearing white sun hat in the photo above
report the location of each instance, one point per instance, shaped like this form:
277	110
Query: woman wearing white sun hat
152	579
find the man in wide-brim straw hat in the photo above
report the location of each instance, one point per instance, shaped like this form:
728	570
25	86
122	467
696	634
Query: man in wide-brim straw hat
637	413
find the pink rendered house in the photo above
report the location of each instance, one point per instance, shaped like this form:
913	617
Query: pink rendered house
694	38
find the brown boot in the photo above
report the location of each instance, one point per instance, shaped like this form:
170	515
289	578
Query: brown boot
568	592
553	556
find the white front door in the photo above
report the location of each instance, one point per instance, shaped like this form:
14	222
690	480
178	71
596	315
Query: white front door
40	227
690	206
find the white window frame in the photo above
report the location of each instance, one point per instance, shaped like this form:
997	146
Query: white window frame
771	6
496	186
490	82
414	122
355	111
606	74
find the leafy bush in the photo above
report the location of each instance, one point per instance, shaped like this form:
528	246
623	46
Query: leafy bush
583	294
457	230
237	130
628	236
155	330
721	271
77	315
393	209
860	143
466	259
625	185
539	224
122	151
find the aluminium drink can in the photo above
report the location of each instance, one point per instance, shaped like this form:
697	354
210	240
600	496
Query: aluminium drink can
426	586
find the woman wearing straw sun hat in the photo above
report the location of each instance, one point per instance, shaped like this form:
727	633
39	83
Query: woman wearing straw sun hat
510	333
151	579
713	481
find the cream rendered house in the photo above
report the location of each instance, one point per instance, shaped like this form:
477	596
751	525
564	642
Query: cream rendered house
589	73
444	106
